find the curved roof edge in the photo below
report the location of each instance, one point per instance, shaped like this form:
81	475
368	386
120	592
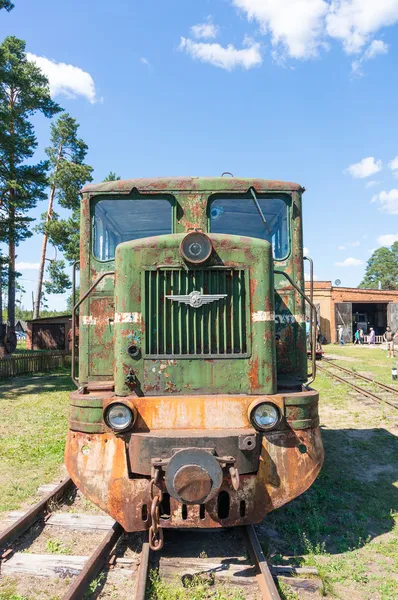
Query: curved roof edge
179	184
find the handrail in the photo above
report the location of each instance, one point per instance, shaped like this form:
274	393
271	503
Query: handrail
76	306
313	330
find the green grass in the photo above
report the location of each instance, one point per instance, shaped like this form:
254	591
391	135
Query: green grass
198	588
346	524
33	428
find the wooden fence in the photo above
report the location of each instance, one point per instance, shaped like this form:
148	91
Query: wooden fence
37	362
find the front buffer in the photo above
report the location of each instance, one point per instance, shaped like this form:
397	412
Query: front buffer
213	467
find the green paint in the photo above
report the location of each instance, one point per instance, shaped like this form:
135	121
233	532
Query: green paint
103	350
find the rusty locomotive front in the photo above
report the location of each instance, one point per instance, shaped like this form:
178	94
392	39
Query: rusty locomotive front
193	407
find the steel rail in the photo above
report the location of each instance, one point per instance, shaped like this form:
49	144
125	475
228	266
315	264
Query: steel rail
358	388
94	564
38	510
265	580
143	569
385	386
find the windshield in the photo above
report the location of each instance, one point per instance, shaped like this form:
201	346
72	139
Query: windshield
117	221
240	216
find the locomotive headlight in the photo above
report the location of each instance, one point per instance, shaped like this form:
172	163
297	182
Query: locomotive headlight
265	416
119	417
196	247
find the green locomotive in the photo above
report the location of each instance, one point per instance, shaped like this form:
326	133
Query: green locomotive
193	407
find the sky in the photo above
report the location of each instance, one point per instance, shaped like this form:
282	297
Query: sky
296	90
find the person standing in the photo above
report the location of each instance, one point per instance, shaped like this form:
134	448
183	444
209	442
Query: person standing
372	337
341	335
361	336
389	338
356	337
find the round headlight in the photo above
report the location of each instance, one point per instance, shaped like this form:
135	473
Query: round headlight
119	417
265	416
196	247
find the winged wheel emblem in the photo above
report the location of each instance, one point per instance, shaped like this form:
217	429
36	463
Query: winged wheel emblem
196	299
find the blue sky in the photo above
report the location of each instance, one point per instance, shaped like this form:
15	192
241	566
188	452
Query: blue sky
301	91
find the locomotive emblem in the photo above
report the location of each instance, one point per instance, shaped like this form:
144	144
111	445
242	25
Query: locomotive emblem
196	299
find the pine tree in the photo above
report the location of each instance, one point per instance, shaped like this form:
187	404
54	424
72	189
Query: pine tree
68	173
112	177
65	233
7	4
24	91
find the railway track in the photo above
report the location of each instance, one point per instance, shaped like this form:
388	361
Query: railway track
248	573
375	390
255	575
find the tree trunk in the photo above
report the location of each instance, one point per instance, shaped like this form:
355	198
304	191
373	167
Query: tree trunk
11	268
36	310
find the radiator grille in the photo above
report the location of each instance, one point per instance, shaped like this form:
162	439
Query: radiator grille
174	329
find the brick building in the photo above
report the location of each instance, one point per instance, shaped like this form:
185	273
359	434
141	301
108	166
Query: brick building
353	308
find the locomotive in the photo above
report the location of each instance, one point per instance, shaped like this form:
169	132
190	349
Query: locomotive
194	406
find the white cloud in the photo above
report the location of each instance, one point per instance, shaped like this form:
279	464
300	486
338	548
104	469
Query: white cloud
393	164
204	31
364	168
65	79
349	262
340	247
145	61
354	22
299	28
372	183
388	201
25	266
296	26
226	58
306	251
376	48
388	239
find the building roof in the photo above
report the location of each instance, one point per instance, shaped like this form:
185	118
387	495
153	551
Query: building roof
43	319
180	184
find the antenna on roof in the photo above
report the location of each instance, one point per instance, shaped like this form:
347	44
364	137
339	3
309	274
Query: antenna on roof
337	282
226	173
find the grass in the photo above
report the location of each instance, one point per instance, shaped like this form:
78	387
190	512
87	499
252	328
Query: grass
198	588
347	523
33	428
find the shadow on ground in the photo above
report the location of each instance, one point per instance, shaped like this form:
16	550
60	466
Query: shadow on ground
34	384
351	502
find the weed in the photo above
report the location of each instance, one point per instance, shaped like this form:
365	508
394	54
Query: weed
195	588
94	585
57	547
287	592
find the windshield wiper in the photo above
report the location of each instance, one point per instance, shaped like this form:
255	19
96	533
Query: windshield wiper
260	212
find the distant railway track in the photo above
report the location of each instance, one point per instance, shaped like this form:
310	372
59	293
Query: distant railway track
381	392
249	573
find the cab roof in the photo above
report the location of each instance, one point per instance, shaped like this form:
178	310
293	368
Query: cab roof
181	184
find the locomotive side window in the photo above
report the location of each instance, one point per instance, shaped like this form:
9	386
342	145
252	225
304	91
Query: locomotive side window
240	216
117	221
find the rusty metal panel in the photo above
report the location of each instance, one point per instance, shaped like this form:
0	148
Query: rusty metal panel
254	374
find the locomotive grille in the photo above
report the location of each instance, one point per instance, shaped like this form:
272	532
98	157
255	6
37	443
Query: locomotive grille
174	329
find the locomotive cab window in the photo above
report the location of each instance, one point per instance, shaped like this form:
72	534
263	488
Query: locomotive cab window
117	221
240	216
